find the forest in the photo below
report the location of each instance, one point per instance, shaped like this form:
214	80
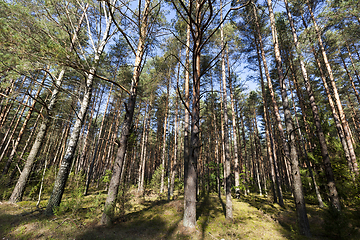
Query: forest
195	119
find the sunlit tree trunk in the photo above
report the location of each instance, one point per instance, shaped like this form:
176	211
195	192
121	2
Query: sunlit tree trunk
109	208
336	94
324	151
227	165
293	157
66	162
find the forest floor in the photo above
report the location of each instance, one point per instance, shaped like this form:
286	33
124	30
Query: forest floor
153	217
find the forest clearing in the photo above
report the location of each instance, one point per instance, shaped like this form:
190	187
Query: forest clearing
179	119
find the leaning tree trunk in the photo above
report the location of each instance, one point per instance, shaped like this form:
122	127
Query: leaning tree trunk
332	106
336	95
23	127
295	170
110	203
66	162
18	191
335	200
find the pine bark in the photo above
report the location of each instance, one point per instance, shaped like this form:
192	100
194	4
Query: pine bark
335	200
336	94
227	164
110	203
293	158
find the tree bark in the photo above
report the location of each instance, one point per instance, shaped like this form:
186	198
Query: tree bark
335	200
336	94
295	170
66	162
227	165
109	208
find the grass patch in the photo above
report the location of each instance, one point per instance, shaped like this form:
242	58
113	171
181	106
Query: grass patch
153	217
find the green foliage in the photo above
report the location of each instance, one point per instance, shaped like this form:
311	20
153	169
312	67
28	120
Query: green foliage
72	204
336	225
34	191
156	178
123	201
106	178
242	186
96	205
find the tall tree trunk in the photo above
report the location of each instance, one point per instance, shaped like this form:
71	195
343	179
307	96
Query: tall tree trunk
336	94
176	133
164	136
335	200
257	153
235	131
143	149
267	123
19	189
109	208
227	165
272	93
189	218
245	179
88	179
295	170
66	162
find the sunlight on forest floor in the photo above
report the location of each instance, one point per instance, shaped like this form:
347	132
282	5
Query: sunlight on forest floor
152	217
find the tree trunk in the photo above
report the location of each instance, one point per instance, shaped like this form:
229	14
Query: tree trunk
295	170
235	131
164	137
6	147
324	151
66	162
109	208
227	167
272	93
143	150
23	127
87	184
267	123
189	218
19	189
336	94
